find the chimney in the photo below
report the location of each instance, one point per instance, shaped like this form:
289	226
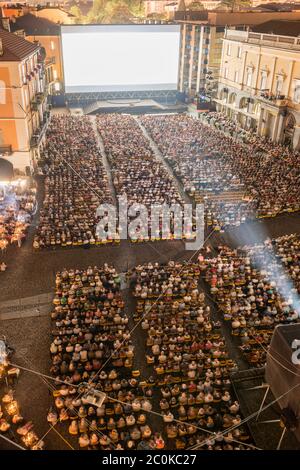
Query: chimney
1	47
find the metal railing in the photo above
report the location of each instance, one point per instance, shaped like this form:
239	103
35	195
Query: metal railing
285	42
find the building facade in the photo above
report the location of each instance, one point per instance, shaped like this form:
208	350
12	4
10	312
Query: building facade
47	34
259	85
23	101
200	54
202	40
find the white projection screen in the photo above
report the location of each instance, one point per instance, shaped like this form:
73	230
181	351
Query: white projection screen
108	58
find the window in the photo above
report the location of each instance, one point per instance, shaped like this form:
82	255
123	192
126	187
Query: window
239	52
249	77
54	74
236	76
263	81
279	84
23	73
226	73
228	52
25	98
52	45
296	96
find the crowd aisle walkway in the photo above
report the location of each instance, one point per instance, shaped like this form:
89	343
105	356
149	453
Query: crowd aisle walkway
104	160
160	157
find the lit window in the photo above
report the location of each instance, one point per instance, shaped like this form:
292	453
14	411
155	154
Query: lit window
236	76
54	74
226	73
52	45
239	52
228	49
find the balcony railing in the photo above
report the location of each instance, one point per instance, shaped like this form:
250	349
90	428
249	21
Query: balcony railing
34	105
37	100
274	100
50	61
40	132
280	41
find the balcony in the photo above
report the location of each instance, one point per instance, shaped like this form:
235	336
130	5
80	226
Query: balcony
38	99
278	101
40	132
50	61
262	39
34	105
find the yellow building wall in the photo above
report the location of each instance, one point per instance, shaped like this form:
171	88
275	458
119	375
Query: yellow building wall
275	61
8	132
48	42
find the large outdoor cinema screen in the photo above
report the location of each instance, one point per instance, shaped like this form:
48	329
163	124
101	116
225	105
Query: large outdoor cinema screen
110	58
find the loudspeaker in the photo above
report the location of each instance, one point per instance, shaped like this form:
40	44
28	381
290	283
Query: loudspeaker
283	370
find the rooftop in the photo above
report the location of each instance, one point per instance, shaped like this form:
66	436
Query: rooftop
15	48
279	27
34	25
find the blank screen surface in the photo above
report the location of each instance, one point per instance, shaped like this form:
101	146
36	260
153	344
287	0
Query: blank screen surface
120	57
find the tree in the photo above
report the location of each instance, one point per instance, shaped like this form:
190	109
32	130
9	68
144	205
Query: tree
96	13
117	12
114	11
196	6
75	10
234	5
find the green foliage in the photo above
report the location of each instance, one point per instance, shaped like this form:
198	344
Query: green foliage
235	5
75	10
114	11
195	6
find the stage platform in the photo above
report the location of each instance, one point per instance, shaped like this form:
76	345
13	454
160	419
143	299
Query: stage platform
132	106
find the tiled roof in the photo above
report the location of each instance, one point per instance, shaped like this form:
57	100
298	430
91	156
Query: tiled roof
15	48
34	26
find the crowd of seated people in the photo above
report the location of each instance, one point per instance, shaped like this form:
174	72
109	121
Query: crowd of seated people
16	211
192	156
267	174
251	288
136	171
188	356
92	343
13	424
75	184
226	124
278	256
